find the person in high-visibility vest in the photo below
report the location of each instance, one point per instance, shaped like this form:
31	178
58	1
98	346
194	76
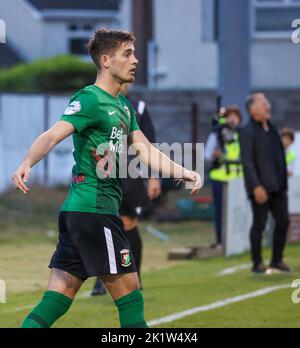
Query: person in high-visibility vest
288	139
223	152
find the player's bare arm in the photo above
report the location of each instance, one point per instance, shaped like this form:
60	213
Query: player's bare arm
38	150
161	163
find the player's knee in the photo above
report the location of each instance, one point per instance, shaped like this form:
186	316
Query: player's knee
121	285
64	283
134	284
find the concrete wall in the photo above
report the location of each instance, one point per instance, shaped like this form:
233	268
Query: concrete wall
51	44
24	28
188	60
171	111
275	63
125	15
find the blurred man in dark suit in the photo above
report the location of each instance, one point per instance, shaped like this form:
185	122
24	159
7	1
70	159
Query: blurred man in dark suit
265	173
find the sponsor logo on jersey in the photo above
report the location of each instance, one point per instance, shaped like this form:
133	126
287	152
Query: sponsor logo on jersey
125	258
116	143
73	108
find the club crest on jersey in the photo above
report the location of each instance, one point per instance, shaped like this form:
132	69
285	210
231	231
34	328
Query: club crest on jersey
73	108
125	258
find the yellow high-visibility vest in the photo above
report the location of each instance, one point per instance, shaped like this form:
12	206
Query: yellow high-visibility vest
229	170
290	156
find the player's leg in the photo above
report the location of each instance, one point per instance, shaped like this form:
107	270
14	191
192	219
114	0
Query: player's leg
104	250
135	240
132	234
57	299
124	289
64	283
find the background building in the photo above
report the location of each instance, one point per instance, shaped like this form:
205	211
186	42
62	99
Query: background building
177	40
179	45
50	27
187	47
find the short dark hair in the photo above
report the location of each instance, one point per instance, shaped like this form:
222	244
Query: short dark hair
107	42
288	132
233	109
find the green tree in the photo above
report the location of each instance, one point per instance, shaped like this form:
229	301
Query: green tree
65	73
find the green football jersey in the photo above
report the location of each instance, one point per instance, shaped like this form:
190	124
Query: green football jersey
102	123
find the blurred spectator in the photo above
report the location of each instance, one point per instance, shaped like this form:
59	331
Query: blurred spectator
288	139
223	152
265	172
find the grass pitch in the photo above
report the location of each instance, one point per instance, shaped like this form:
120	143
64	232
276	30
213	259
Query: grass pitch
28	237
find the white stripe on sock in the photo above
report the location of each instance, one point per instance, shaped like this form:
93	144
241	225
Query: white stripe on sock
111	251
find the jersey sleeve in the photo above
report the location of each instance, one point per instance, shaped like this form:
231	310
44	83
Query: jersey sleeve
81	112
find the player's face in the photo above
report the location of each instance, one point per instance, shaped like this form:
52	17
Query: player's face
123	64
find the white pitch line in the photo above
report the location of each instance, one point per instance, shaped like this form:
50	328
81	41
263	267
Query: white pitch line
218	304
188	312
232	270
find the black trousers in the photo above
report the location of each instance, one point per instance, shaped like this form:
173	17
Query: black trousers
217	187
278	205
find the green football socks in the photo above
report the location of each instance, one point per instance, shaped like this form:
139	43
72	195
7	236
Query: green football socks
52	306
131	310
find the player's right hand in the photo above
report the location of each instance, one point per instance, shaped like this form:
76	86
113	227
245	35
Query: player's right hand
21	177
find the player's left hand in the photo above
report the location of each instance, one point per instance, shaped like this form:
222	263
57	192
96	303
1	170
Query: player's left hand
193	178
